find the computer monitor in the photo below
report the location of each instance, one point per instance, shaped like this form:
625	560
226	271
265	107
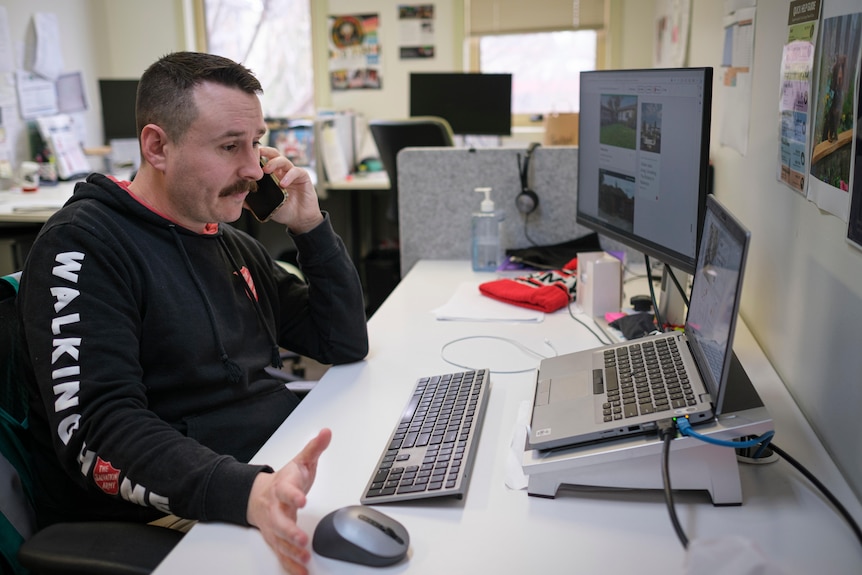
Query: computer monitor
643	159
118	109
473	104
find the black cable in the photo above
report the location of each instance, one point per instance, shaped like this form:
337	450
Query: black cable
668	491
526	235
677	284
598	337
823	489
658	318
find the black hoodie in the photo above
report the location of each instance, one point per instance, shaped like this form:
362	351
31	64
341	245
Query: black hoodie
149	344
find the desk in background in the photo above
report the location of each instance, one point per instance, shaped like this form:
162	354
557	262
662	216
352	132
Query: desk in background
21	217
367	196
23	213
500	530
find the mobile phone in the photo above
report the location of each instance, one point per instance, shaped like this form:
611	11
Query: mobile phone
268	197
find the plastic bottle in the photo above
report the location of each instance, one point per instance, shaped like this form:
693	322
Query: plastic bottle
486	228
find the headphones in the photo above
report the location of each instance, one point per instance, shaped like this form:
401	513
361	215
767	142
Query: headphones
527	201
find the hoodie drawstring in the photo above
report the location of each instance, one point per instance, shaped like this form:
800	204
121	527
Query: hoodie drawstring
275	359
234	371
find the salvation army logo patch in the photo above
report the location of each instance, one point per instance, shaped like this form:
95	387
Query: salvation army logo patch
106	476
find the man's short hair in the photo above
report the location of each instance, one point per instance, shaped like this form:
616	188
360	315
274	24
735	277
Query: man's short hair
166	89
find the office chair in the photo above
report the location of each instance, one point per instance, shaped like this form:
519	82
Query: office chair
292	374
391	136
95	548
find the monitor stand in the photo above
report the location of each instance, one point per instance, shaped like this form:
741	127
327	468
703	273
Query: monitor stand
635	462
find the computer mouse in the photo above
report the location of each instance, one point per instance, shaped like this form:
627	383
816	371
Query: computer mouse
361	534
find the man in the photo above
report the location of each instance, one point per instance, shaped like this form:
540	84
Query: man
149	324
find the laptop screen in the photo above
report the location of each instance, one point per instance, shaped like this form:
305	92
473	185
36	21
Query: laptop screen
715	295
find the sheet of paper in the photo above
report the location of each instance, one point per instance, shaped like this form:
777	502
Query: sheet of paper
36	95
737	67
7	62
333	154
70	93
515	478
48	56
468	304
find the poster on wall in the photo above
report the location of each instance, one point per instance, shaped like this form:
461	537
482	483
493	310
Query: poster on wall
354	52
794	122
832	129
416	31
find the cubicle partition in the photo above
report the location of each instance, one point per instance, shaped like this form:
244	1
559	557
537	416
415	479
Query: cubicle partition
436	198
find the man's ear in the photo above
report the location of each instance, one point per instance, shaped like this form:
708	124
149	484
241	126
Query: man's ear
154	140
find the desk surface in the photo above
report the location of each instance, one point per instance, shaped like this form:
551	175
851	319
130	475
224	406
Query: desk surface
360	182
33	207
496	529
36	207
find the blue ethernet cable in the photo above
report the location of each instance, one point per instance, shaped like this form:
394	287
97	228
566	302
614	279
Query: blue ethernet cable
684	427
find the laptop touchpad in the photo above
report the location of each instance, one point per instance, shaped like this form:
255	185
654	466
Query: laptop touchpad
571	386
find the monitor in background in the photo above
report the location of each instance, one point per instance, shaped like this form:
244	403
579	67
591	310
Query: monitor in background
118	109
643	159
473	104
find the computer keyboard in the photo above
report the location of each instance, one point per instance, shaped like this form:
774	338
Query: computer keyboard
430	452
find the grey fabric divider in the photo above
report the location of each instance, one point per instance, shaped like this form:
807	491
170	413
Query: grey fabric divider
436	199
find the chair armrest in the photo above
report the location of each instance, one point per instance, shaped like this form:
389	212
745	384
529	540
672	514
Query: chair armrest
98	548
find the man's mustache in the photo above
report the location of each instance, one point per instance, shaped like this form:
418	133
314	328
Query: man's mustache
239	187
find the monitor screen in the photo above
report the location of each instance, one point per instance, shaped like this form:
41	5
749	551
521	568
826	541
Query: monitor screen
473	104
643	159
118	108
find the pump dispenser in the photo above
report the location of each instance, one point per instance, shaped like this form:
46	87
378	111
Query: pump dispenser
486	231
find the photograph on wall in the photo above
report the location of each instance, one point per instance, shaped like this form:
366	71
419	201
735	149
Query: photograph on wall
832	129
416	31
354	52
797	61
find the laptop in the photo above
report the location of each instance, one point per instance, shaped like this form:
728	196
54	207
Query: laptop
616	390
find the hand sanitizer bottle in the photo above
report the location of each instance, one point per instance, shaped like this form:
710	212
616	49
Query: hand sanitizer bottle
486	231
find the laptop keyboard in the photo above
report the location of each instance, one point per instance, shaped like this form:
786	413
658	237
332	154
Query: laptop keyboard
430	452
644	378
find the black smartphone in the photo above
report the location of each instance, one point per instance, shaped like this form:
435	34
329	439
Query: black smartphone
268	197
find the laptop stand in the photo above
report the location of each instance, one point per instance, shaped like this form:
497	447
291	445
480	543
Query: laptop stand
636	462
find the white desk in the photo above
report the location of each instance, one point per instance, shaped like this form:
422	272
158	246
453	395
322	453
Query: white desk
17	207
360	182
498	530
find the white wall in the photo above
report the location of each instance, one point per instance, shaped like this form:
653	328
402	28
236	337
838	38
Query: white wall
803	287
136	34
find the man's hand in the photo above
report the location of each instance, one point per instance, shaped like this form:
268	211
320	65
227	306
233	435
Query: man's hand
275	499
301	211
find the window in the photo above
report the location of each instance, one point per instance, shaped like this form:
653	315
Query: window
545	67
273	39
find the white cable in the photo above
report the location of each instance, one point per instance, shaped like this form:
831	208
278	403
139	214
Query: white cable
526	350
